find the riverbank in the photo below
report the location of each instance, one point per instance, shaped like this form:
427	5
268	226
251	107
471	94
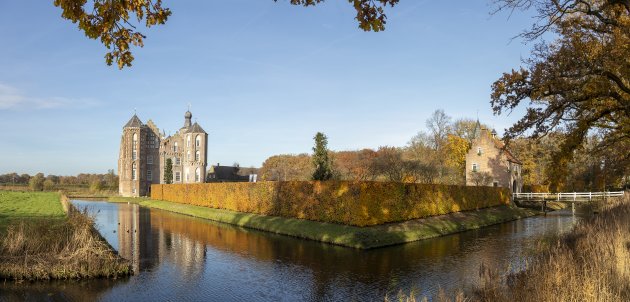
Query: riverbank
590	263
44	238
344	235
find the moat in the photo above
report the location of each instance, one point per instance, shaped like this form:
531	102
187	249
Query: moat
181	258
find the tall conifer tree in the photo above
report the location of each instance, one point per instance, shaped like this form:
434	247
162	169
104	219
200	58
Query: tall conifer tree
321	160
168	171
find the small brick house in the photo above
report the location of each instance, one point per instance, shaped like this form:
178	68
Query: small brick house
489	163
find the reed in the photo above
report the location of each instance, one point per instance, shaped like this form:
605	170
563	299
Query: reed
589	263
42	249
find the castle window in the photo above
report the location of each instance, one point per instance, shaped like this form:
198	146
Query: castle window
198	141
134	147
475	167
479	152
151	140
197	175
149	175
175	147
188	141
188	155
178	161
495	184
197	155
133	171
178	176
150	159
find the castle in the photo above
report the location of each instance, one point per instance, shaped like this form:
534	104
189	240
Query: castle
144	153
489	163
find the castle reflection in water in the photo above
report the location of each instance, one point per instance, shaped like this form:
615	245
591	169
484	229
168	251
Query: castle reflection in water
146	238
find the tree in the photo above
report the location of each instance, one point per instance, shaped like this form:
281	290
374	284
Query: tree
578	84
111	180
354	165
321	160
439	127
96	185
168	171
286	167
36	183
455	151
389	162
465	128
112	22
48	185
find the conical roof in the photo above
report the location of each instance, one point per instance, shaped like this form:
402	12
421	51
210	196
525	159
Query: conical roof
134	122
195	128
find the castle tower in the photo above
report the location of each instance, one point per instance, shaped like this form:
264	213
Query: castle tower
188	151
138	160
197	153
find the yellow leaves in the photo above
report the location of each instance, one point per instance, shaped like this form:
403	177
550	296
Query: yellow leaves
456	149
359	203
109	22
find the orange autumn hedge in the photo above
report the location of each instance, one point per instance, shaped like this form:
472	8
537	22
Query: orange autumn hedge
361	203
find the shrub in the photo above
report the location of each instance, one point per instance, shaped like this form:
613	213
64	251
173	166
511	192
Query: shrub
48	185
360	203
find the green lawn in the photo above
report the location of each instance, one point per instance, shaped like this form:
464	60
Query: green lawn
28	205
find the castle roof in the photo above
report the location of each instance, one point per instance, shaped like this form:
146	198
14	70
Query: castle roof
500	145
195	128
134	122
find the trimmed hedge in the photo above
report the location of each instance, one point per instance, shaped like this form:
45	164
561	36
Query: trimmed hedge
361	203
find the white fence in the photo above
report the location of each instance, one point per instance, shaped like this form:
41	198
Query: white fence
575	196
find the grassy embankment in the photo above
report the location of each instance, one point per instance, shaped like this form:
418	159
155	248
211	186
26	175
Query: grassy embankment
344	235
38	240
590	263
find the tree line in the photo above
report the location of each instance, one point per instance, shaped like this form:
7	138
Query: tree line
437	155
434	155
41	182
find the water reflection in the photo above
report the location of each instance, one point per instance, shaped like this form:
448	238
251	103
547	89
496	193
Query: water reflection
184	258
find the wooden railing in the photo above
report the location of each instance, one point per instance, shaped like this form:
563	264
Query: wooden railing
572	196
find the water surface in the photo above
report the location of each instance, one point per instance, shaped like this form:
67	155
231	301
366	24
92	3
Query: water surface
182	258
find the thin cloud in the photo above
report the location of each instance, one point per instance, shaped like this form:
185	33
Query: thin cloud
12	98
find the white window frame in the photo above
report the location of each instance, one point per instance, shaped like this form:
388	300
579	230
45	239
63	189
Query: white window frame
134	169
175	147
197	175
198	141
197	155
475	167
178	176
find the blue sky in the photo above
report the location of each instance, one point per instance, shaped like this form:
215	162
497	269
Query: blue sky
262	78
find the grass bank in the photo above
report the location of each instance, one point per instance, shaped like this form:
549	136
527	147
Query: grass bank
19	206
351	236
39	241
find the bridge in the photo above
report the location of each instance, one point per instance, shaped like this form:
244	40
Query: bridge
572	197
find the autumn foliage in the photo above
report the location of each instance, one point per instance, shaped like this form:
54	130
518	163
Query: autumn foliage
358	203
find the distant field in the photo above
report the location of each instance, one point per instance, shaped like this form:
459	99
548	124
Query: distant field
28	205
